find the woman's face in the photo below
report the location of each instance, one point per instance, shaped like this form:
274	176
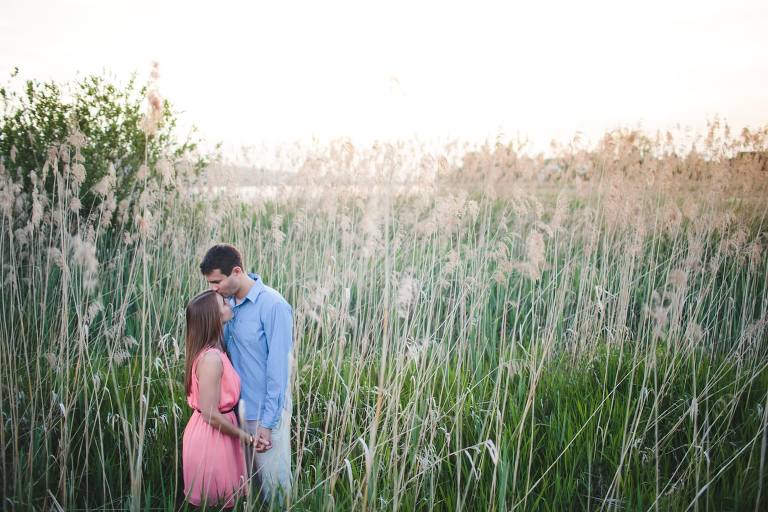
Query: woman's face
225	310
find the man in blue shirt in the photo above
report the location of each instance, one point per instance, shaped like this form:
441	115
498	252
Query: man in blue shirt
259	339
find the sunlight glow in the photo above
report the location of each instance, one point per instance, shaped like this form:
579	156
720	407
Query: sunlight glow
268	72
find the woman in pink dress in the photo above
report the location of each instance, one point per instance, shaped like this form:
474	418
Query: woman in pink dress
212	453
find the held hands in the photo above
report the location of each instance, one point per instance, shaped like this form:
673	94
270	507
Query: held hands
261	442
263	439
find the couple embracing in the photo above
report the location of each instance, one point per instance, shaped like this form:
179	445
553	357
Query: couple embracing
238	351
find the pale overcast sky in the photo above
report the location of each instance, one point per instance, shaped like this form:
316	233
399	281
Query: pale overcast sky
264	72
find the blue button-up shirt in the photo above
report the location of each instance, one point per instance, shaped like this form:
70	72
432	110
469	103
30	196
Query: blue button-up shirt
259	339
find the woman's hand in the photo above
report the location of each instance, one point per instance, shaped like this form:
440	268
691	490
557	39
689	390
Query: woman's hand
247	439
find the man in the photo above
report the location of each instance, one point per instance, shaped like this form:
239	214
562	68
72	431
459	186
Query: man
259	340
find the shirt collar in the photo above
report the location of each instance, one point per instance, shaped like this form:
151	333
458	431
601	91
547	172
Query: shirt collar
253	293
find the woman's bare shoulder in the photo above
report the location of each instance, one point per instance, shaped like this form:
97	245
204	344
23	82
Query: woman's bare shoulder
210	361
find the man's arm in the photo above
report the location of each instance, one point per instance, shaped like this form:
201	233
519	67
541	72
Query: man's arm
278	328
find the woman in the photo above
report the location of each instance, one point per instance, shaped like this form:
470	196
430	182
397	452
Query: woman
212	453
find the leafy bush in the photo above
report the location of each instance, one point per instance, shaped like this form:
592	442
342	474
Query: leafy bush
99	125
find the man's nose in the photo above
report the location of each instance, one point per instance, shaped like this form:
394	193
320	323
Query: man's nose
215	288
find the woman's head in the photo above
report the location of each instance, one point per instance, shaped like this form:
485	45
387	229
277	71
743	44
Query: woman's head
206	313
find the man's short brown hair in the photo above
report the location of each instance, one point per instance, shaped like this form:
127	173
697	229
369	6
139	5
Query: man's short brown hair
223	257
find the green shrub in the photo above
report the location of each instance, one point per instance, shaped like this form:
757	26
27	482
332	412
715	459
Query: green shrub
97	123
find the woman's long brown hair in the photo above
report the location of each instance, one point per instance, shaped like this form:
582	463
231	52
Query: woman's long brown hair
203	329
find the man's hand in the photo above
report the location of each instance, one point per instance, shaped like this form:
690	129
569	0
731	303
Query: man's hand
263	439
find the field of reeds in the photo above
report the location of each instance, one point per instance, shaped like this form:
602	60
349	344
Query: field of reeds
489	332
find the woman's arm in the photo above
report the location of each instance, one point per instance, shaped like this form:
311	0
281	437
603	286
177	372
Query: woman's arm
209	371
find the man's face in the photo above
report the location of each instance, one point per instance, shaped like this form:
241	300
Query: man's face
226	286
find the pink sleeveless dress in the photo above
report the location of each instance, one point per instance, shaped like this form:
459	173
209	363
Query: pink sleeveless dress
213	462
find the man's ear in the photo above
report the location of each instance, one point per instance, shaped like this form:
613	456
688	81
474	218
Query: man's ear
236	271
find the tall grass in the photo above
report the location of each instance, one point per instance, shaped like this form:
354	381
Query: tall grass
489	342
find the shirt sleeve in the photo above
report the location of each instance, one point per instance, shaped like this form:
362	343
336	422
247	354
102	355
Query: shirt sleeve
278	328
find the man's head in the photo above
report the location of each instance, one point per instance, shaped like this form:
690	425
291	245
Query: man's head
222	267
